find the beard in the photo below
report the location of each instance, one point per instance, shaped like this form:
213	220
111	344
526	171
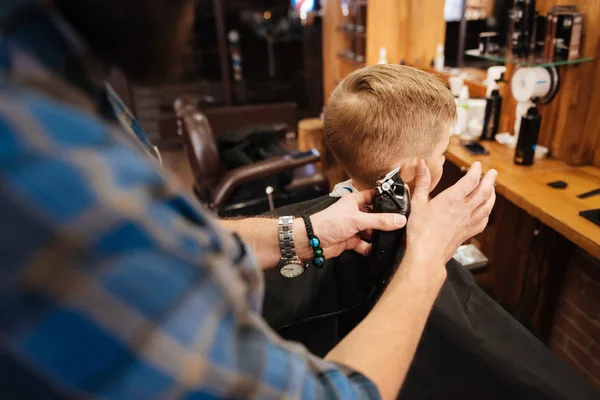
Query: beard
146	39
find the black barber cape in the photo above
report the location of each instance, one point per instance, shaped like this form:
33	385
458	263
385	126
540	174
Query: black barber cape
471	347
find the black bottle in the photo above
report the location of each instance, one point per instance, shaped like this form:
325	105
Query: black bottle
493	104
528	136
523	15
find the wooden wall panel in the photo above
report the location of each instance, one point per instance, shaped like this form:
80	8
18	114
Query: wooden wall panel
571	123
427	29
387	22
543	6
335	68
333	42
589	151
596	160
406	29
509	104
591	138
549	113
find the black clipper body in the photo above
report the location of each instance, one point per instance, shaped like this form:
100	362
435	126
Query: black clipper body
388	247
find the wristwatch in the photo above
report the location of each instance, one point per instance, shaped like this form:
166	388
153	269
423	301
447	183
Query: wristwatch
290	265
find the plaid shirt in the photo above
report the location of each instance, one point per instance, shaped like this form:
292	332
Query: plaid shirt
114	284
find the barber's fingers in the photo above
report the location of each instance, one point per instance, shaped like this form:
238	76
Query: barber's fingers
484	209
364	197
362	247
469	182
422	183
380	222
477	228
483	191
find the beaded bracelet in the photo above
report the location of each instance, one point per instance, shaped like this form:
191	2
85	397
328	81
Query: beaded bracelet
314	243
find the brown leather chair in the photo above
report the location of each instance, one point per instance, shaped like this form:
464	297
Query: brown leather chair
214	185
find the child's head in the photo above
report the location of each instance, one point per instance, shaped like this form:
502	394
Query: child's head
385	116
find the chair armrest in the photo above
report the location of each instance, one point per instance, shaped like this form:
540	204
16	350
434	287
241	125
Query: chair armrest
317	179
261	169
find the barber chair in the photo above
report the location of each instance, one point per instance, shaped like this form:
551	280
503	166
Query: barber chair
274	182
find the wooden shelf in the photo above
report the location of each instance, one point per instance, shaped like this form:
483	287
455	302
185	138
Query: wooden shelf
349	30
527	188
504	57
351	60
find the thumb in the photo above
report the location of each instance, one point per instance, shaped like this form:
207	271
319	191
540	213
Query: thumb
422	183
380	222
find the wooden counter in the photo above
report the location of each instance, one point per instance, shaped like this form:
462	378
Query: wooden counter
527	188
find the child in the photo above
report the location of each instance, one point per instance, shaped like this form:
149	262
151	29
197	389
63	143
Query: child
377	119
380	118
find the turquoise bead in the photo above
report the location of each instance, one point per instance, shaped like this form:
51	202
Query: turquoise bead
314	242
319	260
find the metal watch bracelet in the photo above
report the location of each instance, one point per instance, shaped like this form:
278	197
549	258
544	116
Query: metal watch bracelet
286	238
290	264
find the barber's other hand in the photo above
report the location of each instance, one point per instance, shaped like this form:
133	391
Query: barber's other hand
338	227
437	227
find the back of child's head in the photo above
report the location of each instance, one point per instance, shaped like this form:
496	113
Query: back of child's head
381	114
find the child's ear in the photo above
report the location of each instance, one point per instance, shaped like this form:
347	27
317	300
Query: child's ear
408	170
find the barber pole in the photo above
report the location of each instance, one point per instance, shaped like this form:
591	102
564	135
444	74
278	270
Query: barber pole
236	55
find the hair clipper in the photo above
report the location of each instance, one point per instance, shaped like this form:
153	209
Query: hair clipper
388	247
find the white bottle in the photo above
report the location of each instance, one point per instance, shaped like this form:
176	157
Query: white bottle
462	111
439	58
456	83
521	110
382	56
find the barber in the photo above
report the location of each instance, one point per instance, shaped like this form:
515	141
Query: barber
114	283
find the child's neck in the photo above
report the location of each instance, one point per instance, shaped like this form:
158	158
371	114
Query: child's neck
360	186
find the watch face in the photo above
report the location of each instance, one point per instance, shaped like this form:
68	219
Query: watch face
292	270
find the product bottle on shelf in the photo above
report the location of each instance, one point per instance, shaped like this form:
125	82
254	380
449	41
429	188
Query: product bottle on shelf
493	105
528	136
462	110
439	58
523	17
382	56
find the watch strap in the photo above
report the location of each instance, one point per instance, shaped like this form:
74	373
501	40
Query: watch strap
287	244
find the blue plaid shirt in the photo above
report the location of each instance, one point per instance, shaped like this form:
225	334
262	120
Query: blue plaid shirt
114	284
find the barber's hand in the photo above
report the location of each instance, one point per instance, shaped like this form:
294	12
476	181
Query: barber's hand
338	227
438	227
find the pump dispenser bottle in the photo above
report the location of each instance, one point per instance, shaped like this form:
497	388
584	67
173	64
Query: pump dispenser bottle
528	136
493	105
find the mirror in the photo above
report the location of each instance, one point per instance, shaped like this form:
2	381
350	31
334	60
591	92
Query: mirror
471	23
